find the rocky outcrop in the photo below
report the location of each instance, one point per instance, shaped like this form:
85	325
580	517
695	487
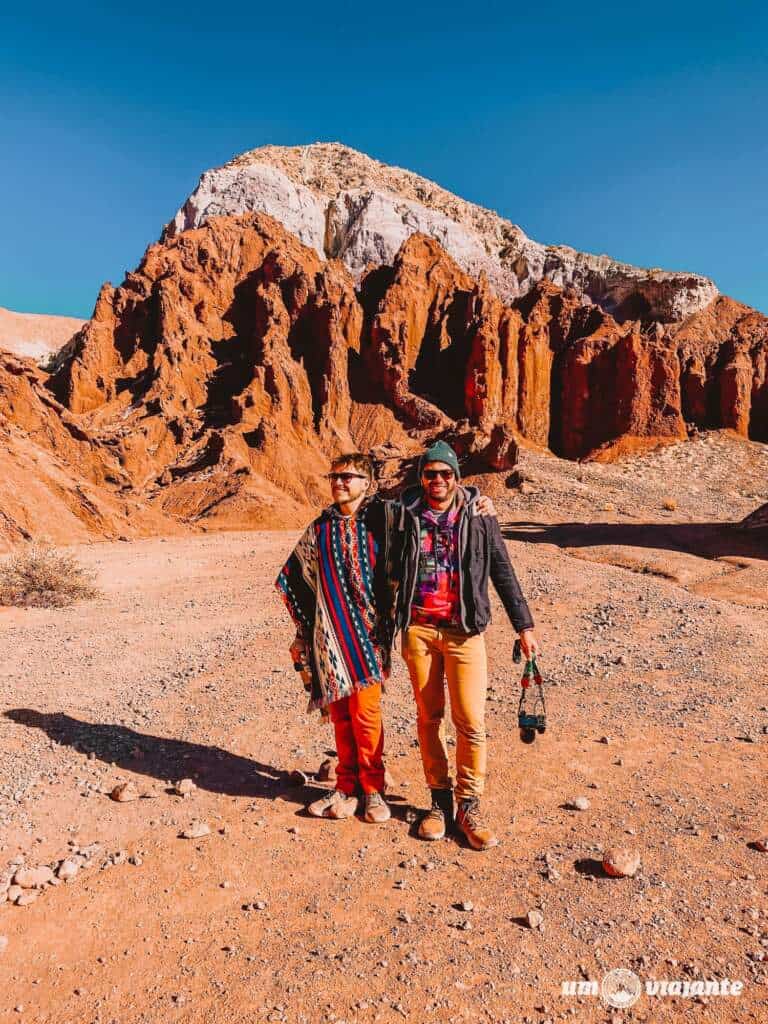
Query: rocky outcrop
57	481
350	207
258	188
214	384
34	335
724	368
218	371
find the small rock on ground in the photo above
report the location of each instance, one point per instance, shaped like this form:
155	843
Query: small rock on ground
196	830
124	792
621	862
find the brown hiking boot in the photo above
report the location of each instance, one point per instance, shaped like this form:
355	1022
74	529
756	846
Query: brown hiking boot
333	805
469	821
376	808
439	818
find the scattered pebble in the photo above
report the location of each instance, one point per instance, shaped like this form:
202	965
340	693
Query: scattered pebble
33	878
67	869
184	787
124	792
535	918
621	862
196	830
27	896
580	803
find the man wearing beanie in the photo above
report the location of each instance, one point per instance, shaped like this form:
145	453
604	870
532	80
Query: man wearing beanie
450	551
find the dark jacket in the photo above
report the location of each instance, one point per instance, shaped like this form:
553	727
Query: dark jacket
482	555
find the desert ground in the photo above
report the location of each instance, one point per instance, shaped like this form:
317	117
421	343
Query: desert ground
652	614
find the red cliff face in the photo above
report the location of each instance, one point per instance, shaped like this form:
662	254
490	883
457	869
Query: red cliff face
723	353
217	380
59	482
219	371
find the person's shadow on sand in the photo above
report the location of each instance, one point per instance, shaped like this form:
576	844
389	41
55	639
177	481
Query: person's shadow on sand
164	758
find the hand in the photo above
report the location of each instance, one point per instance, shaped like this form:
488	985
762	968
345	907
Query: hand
297	649
485	506
528	644
298	652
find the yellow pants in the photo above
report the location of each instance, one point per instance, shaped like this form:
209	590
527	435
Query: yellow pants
433	654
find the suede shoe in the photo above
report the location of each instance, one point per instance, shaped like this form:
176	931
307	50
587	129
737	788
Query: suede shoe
334	805
439	818
470	822
376	809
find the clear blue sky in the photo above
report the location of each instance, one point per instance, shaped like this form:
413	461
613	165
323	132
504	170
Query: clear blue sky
634	130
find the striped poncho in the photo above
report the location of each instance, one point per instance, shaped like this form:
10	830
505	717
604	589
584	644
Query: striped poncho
337	585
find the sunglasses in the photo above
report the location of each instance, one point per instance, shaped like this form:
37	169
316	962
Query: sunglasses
345	477
433	474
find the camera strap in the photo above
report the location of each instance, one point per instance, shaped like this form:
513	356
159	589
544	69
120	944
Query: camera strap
531	674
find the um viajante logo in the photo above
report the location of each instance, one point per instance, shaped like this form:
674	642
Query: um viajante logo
621	988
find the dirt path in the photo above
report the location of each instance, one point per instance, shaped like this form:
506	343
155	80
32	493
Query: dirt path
179	670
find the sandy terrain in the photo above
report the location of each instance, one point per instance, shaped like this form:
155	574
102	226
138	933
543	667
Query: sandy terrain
654	628
35	335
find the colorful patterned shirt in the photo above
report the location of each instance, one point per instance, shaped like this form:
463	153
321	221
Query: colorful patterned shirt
436	600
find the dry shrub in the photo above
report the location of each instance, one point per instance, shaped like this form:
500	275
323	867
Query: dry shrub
41	577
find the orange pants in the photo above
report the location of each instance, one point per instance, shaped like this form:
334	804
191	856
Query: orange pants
434	654
359	741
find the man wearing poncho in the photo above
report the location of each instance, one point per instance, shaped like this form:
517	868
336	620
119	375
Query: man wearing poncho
338	587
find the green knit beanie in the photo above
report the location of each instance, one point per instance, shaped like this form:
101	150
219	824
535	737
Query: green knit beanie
440	451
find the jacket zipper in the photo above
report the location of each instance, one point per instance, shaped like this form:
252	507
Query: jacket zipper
462	538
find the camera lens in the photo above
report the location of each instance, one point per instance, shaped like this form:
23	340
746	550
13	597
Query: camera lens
527	735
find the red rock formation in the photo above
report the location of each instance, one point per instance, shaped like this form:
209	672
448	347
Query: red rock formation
57	481
491	377
724	356
217	380
220	371
416	341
